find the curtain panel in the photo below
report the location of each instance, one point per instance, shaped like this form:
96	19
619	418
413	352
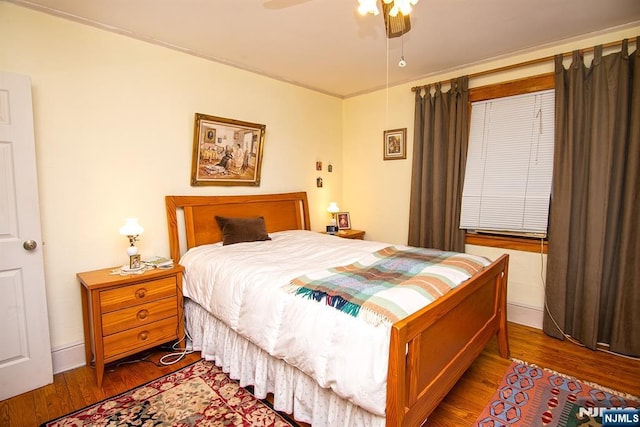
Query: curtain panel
439	159
593	271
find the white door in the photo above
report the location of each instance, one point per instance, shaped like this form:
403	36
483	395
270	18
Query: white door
25	349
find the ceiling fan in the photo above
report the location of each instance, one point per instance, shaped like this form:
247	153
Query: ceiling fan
396	13
397	25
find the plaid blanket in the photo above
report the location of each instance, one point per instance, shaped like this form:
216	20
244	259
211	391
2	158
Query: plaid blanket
389	284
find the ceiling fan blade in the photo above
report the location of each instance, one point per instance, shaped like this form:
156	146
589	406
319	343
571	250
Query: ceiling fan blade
282	4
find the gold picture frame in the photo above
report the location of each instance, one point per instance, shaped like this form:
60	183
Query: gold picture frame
226	151
395	144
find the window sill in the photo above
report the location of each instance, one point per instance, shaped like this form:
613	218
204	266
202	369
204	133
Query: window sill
504	242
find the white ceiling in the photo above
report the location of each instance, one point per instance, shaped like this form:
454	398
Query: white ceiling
327	46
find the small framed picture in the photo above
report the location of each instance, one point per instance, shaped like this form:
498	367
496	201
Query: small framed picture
134	262
395	144
344	222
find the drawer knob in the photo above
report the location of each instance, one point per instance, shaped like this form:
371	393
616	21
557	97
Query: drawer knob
142	314
142	336
141	293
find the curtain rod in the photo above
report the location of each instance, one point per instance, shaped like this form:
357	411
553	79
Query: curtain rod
534	62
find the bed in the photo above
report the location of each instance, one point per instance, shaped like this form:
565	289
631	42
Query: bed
424	354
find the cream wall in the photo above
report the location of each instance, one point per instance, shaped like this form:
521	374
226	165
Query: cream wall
114	126
377	192
114	123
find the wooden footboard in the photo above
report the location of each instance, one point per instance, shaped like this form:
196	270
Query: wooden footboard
431	349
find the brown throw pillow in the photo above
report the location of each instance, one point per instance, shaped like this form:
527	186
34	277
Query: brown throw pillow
238	230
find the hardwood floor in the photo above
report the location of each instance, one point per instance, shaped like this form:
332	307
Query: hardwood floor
469	396
77	388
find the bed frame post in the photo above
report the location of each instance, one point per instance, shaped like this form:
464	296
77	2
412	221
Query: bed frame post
172	223
502	334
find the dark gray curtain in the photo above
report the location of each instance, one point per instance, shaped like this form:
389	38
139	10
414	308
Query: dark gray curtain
593	270
439	158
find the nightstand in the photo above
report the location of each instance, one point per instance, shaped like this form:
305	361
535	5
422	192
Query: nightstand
351	234
124	315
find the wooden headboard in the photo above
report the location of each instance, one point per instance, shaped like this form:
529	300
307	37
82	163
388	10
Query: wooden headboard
286	211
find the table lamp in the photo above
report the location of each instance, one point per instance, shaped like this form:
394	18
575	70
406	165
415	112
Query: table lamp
333	209
132	230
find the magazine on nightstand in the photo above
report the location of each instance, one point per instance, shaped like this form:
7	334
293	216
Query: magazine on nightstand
159	262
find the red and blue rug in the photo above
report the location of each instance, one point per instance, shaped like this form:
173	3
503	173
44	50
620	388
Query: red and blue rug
197	395
533	396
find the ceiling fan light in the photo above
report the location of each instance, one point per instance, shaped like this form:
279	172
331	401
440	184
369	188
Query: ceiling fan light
399	6
403	5
368	6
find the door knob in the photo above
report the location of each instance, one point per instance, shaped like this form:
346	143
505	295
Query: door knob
30	245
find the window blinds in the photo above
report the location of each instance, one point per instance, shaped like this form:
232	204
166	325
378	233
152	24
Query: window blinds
509	164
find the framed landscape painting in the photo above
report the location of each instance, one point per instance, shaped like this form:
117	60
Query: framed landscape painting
226	151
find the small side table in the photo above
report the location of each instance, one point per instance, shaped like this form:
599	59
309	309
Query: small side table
351	234
124	315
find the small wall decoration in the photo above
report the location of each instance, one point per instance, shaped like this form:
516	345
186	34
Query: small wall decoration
344	221
226	151
395	144
318	166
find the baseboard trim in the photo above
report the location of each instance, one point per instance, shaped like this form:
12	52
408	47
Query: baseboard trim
68	357
525	315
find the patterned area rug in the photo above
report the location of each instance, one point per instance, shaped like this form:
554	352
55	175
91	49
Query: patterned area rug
197	395
532	396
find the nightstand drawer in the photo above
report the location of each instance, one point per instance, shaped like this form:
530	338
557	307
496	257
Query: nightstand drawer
138	315
139	338
127	296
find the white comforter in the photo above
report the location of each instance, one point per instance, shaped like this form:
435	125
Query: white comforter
241	285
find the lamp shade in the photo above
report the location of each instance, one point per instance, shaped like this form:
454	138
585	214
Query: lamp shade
333	208
131	227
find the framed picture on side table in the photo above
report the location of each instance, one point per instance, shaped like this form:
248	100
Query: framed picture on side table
344	222
134	262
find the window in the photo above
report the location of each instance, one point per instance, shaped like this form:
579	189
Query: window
509	164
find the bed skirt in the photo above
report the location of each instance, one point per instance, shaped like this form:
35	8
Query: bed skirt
293	391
